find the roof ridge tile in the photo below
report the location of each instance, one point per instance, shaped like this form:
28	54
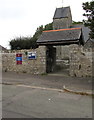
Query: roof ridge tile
62	29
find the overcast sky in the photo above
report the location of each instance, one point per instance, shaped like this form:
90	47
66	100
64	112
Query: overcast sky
22	17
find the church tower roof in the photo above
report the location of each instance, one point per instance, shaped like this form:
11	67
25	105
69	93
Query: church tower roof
61	12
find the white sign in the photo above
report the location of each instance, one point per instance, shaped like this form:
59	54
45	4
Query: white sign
31	55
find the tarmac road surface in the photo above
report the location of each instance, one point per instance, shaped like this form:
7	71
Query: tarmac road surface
36	96
27	102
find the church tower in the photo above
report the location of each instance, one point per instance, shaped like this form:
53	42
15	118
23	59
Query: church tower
62	18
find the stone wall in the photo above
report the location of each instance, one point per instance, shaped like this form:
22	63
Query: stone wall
60	23
80	62
36	66
62	52
0	60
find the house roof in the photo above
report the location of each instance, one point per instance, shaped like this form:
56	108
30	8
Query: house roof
61	36
61	12
3	49
90	40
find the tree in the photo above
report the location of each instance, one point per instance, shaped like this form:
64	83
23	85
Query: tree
75	23
89	13
48	26
39	31
29	42
21	43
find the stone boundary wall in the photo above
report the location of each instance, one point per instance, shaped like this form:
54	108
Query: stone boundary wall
81	61
36	66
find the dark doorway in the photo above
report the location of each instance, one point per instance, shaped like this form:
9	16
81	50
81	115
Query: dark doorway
50	59
57	65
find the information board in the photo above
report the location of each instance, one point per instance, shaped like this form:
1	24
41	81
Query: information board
18	58
31	55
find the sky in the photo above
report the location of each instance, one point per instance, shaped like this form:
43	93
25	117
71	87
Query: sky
22	17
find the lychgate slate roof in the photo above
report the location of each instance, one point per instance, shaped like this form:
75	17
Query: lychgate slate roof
61	12
61	36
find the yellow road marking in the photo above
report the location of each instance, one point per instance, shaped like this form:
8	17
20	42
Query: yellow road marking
42	88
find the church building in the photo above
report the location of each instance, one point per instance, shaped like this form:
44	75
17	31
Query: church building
62	32
58	40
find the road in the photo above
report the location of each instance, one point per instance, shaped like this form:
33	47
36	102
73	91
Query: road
27	102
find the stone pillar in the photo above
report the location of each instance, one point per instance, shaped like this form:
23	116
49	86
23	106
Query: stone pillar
80	62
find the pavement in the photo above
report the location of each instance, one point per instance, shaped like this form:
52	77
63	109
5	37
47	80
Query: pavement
57	81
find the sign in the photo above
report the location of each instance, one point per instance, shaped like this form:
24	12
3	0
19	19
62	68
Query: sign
31	55
18	59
